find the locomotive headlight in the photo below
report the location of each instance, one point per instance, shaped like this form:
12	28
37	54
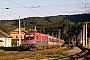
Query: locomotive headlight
24	42
34	42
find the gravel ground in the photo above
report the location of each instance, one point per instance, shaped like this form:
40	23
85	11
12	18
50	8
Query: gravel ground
74	50
32	59
25	59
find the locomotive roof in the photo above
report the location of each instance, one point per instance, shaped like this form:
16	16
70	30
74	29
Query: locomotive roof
41	34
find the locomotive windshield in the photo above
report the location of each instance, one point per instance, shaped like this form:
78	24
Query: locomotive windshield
30	37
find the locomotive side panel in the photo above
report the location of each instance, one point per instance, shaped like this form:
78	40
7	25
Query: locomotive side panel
41	38
41	41
54	42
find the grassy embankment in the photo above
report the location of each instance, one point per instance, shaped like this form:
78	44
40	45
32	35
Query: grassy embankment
37	55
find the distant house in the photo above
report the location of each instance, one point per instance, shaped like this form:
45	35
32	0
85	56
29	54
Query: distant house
5	39
15	33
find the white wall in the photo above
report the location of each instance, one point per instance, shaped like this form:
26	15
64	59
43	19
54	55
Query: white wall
6	43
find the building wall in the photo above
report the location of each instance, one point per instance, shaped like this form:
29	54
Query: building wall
6	42
16	36
15	33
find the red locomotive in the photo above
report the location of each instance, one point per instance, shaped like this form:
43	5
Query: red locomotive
41	41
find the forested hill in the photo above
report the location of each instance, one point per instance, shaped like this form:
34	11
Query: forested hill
68	24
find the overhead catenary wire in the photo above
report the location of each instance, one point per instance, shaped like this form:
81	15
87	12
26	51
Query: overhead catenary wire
41	7
81	2
7	14
60	5
85	7
34	7
13	12
25	7
84	3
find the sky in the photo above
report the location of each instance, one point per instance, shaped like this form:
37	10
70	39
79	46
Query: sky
12	9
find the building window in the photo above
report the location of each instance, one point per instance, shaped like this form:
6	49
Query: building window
50	40
21	36
8	41
16	36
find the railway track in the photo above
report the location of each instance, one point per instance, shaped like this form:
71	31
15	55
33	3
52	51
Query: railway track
12	55
83	55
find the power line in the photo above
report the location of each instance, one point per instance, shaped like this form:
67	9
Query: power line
81	2
10	7
4	16
30	7
84	3
85	7
13	12
7	14
61	5
41	7
24	6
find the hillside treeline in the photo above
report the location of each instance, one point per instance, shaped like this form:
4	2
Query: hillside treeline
68	25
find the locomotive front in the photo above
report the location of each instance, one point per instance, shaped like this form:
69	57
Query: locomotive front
29	40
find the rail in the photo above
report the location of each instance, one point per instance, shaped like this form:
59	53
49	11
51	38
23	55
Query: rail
83	55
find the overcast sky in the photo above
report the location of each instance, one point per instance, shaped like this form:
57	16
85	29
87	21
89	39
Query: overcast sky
36	8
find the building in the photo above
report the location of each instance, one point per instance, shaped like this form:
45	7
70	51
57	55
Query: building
15	33
5	39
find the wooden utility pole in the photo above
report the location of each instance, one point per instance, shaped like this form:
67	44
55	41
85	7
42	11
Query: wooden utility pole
86	33
19	32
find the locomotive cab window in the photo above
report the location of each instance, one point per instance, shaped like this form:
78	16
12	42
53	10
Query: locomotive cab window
50	40
30	37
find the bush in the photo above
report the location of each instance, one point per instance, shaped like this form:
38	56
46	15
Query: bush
14	42
9	48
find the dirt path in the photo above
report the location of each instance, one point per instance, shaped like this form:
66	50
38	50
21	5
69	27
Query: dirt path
74	50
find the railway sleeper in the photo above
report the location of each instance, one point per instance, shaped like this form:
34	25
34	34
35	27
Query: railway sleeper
41	47
88	56
67	58
82	53
81	58
75	56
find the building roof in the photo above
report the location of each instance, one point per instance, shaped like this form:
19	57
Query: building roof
3	34
22	29
17	30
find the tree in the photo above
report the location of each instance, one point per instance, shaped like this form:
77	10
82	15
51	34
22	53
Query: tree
4	28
